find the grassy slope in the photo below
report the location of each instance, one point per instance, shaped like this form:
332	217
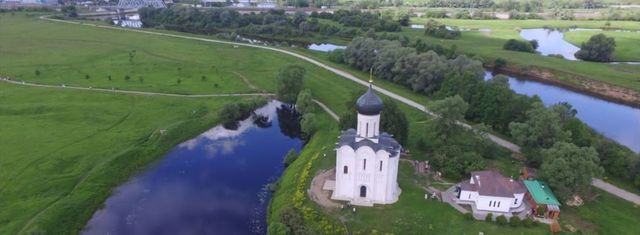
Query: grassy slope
488	45
627	48
64	150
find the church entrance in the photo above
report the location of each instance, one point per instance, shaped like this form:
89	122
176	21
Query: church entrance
363	191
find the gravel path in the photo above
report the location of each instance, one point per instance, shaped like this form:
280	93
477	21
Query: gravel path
616	191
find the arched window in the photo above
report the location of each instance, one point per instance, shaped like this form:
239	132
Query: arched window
380	165
345	169
364	164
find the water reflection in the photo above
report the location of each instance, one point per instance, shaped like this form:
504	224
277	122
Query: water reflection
551	42
325	47
615	121
212	184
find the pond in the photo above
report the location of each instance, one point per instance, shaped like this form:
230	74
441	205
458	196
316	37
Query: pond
214	183
551	42
325	47
615	121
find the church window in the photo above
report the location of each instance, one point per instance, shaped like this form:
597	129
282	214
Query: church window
515	202
345	169
367	131
498	203
490	202
364	164
380	165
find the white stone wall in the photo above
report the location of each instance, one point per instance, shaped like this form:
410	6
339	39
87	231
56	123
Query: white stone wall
497	204
468	195
368	126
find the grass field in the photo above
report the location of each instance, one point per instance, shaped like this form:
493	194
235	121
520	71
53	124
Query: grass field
89	142
62	151
488	45
627	43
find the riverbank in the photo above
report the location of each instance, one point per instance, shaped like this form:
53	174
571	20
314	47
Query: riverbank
87	143
576	83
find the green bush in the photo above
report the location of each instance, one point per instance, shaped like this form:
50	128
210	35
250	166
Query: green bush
489	217
291	156
337	56
528	222
518	45
501	220
515	221
499	63
468	216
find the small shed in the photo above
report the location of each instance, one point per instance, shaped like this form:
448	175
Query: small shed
540	197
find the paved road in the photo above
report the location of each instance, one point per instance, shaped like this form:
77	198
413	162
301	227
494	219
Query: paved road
499	141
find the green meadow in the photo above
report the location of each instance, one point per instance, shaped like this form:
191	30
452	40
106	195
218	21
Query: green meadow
488	45
627	43
64	150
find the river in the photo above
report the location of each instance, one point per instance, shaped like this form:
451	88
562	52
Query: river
616	121
216	183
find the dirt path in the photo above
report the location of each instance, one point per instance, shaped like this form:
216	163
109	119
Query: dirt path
598	183
246	81
322	197
327	109
129	92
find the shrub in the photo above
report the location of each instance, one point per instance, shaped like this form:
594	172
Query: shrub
277	228
518	45
37	72
501	220
528	222
499	63
337	56
127	77
514	221
468	216
534	44
86	76
599	48
291	156
437	30
489	217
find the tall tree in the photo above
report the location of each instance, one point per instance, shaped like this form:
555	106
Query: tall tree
569	169
541	129
599	48
450	109
289	83
304	103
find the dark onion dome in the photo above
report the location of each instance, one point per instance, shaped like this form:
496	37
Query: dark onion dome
369	103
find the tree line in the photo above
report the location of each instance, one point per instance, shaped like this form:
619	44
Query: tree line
546	134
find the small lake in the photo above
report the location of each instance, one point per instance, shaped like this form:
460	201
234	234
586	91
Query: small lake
215	183
551	42
615	121
325	47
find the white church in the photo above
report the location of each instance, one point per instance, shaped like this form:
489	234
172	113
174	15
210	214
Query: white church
367	160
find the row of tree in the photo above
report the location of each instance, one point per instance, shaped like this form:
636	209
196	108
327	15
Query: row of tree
365	20
548	135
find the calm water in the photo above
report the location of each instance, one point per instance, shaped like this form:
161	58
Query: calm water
616	121
551	42
325	47
212	184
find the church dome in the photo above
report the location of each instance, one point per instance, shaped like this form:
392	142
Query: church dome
369	103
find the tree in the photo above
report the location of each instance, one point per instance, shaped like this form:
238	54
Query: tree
304	102
519	45
541	128
309	124
569	169
450	109
394	121
289	83
70	11
501	220
599	48
489	217
514	221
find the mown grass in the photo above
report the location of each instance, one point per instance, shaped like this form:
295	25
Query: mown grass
606	214
488	45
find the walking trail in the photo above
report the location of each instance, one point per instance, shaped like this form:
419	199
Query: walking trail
499	141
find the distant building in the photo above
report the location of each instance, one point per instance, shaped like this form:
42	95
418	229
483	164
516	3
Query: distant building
543	202
367	160
492	192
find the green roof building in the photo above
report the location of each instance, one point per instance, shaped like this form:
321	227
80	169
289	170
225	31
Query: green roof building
541	199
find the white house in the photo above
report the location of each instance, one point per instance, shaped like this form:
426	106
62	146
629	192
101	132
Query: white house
490	191
367	160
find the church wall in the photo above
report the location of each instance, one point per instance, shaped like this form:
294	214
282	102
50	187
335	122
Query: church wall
368	126
345	182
